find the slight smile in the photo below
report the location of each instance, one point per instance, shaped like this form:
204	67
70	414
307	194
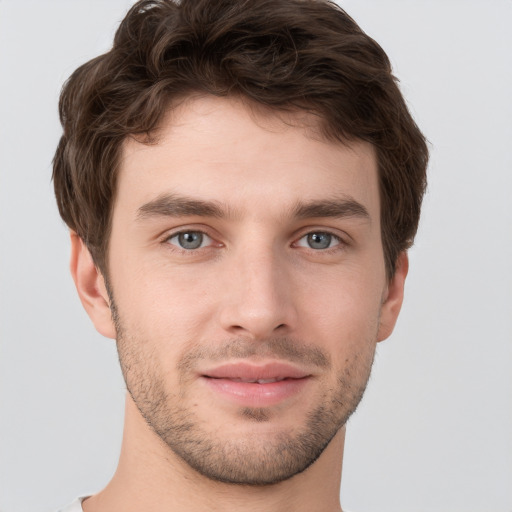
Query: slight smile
252	385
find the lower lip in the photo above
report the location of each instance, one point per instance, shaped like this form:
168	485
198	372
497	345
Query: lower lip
252	394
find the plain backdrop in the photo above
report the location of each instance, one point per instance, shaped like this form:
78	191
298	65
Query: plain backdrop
434	431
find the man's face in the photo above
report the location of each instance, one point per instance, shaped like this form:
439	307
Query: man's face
247	278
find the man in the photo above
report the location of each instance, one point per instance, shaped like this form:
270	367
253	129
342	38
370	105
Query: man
242	180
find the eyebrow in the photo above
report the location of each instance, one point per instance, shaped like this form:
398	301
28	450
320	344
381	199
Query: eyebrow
335	208
172	205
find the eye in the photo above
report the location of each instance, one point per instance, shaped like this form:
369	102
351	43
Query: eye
190	240
319	240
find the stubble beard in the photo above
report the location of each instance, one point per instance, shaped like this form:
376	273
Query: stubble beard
246	460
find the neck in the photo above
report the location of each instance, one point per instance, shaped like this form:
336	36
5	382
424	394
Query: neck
151	477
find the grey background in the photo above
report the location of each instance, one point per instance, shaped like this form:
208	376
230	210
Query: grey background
434	430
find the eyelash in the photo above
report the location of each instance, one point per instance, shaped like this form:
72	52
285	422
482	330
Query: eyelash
340	245
192	251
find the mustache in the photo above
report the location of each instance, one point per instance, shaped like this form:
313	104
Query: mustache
283	348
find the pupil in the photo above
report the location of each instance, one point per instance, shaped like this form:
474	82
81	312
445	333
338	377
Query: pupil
191	240
319	240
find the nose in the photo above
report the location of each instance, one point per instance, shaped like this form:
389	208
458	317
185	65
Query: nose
257	295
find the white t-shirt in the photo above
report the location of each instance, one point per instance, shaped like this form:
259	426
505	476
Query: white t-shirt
76	506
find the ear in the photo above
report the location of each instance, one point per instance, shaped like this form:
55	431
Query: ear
393	297
91	288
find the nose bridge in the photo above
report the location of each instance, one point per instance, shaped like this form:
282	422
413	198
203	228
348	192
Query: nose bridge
258	296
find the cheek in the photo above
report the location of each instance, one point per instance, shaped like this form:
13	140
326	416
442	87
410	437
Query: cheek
161	304
345	310
351	288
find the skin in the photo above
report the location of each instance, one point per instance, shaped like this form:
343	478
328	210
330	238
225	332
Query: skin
254	291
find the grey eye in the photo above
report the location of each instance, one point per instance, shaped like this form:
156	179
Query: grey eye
319	240
190	240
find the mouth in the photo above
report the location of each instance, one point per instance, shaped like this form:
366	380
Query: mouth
253	385
255	381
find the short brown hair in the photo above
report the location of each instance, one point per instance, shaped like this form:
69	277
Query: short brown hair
283	54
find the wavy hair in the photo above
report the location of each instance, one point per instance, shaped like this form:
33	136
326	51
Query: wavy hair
304	55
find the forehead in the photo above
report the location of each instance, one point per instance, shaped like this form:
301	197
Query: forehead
222	149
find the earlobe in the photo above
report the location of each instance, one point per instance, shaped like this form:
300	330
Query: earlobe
90	286
393	298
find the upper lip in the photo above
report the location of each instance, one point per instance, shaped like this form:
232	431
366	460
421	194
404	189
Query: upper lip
250	372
